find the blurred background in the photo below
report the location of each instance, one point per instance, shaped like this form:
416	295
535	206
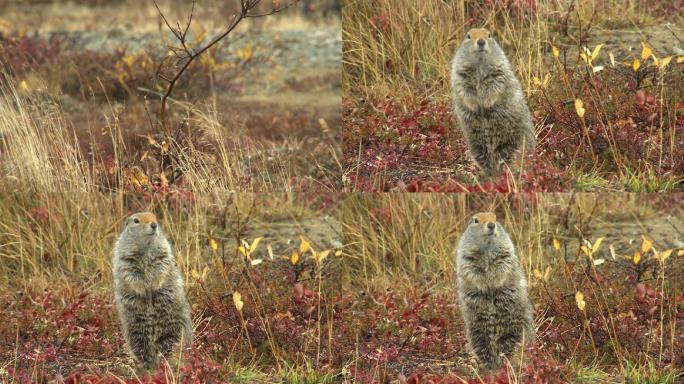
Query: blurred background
258	111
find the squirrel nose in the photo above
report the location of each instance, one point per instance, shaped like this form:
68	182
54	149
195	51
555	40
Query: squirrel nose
153	225
491	226
480	42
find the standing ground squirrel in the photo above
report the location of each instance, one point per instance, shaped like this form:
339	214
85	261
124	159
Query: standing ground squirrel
488	102
149	292
492	291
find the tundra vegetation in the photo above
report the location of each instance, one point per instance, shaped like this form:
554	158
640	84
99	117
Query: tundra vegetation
604	82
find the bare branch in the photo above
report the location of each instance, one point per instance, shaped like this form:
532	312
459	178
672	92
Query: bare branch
185	55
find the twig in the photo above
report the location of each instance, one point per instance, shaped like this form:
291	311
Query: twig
673	33
187	55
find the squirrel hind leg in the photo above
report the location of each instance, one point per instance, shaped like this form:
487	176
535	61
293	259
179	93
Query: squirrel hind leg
491	168
484	349
484	160
144	352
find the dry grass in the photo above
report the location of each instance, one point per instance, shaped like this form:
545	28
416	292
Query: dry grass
41	152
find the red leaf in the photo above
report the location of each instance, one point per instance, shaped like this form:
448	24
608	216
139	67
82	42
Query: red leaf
298	291
640	291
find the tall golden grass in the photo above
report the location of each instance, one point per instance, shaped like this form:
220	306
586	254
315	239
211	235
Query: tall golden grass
418	233
39	151
420	45
50	236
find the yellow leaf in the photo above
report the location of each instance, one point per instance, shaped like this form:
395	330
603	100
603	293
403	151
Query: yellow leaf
245	53
597	244
23	85
242	250
537	274
321	256
596	51
194	274
205	270
555	51
586	250
612	58
646	245
254	244
536	81
213	244
612	251
579	299
556	244
138	177
636	64
294	258
579	107
256	262
664	255
637	257
237	301
646	52
304	245
270	251
664	62
339	252
680	252
547	77
585	57
680	59
128	59
547	272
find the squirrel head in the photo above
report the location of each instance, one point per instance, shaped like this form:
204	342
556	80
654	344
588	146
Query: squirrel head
486	255
484	224
478	40
142	225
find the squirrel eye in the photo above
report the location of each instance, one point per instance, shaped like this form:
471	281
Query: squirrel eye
475	220
136	221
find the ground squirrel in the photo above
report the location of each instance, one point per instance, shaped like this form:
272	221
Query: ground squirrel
492	291
488	102
149	292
